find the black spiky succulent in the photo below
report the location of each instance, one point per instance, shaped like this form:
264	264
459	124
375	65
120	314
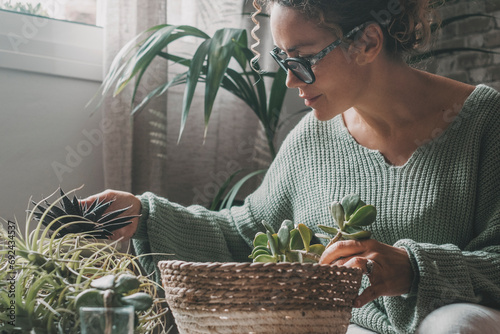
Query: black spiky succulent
73	216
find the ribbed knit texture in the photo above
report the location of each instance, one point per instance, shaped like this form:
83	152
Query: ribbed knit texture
442	206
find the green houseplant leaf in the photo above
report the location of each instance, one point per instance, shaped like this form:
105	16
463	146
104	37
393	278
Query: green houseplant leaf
220	52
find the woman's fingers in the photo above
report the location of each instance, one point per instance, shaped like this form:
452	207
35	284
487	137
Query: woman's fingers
120	200
388	268
342	249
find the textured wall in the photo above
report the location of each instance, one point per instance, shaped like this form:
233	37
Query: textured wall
475	32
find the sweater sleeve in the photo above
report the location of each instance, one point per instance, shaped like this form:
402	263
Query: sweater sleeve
448	274
170	231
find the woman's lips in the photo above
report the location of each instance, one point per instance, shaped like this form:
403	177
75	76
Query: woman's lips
309	100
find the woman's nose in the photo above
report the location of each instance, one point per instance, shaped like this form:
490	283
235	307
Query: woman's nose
292	81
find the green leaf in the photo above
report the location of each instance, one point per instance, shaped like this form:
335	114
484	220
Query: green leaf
265	258
103	283
90	297
260	252
125	283
228	200
241	88
329	229
349	204
283	238
239	53
260	239
338	214
364	216
276	98
220	52
141	301
144	56
151	48
259	248
268	227
323	236
296	240
160	90
292	256
357	235
306	235
273	244
193	75
288	223
317	249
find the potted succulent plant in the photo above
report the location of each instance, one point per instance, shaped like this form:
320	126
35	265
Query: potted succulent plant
284	289
50	271
298	243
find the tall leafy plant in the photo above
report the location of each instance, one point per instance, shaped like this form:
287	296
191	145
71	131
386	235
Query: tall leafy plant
211	64
223	60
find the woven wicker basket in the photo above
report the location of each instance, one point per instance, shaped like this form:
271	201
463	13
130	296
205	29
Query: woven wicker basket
259	297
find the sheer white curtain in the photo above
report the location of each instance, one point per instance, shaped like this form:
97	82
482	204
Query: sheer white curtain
142	154
130	160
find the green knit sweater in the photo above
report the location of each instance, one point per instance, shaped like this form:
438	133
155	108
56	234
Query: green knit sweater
442	206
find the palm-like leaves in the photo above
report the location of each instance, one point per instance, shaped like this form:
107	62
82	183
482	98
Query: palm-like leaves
75	217
210	64
222	60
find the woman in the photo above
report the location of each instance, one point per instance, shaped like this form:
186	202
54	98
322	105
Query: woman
422	148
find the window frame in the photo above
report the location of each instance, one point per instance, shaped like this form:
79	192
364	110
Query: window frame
44	45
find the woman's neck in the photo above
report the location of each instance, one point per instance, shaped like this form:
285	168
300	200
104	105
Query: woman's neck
404	109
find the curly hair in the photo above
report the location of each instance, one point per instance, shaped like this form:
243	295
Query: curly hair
406	23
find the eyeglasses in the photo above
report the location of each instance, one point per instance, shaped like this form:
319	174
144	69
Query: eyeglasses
302	67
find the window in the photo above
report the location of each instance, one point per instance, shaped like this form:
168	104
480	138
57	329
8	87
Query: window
81	11
39	44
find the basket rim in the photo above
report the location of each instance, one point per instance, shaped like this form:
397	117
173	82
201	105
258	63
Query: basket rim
268	265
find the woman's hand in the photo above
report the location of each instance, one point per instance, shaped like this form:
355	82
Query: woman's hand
390	275
120	200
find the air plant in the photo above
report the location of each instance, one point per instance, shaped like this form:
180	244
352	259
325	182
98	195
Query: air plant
44	274
73	216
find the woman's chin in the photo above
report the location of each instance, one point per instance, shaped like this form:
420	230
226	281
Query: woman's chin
322	115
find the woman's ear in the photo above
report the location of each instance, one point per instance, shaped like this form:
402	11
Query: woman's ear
368	44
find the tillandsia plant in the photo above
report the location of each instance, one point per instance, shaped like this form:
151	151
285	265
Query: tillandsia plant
294	243
73	216
45	276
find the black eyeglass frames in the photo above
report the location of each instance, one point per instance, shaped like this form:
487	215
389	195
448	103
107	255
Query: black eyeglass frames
302	67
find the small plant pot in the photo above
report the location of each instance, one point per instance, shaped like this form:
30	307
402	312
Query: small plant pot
107	320
259	297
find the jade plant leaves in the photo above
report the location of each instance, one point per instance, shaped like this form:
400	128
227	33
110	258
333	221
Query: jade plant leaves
350	215
292	243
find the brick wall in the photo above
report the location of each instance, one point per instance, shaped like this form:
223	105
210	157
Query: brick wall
475	32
